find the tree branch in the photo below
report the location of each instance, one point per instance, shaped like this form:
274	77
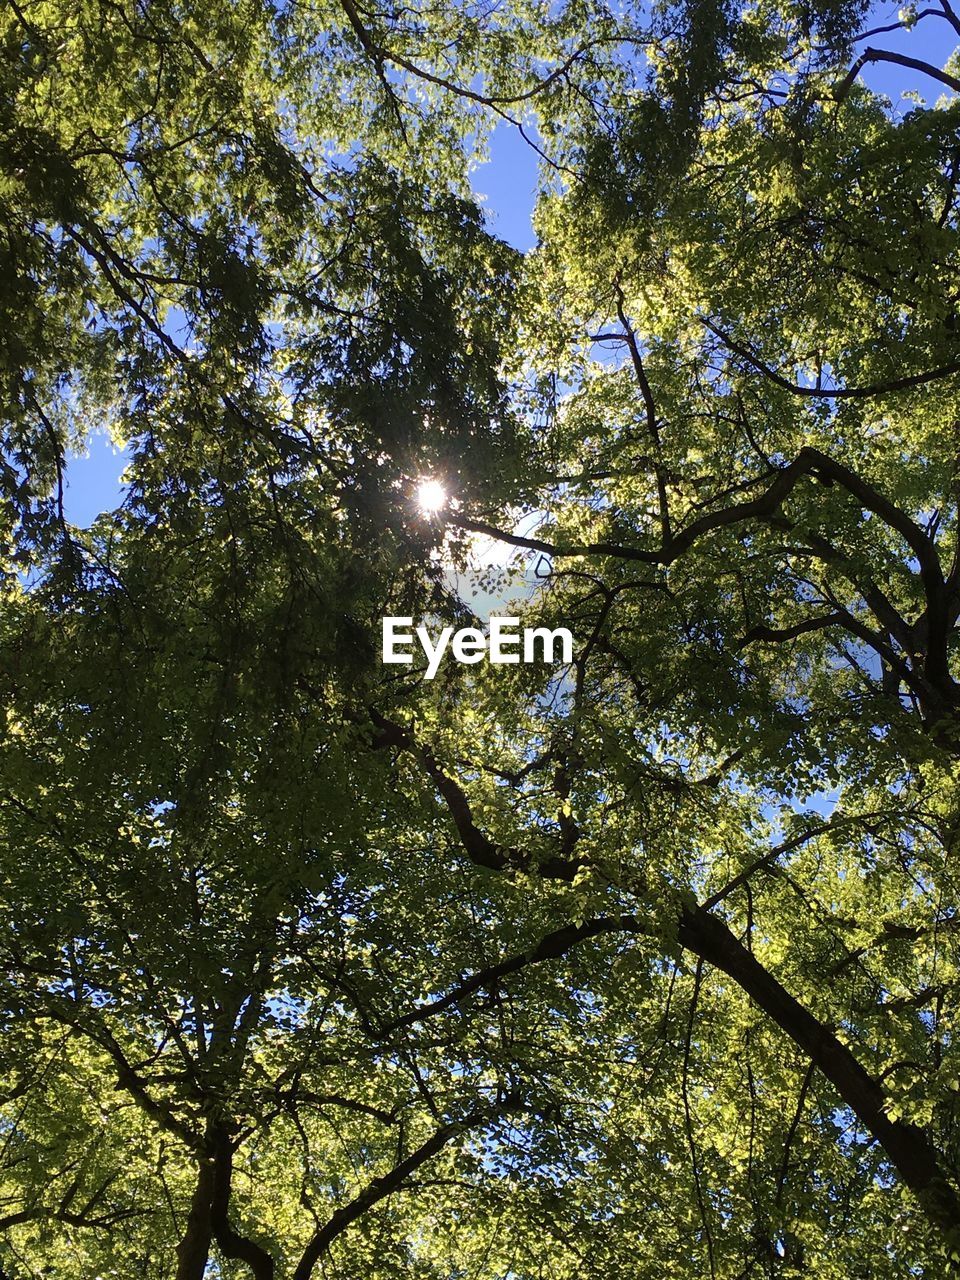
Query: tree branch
480	849
907	1146
826	393
900	60
379	54
550	947
379	1188
809	461
231	1243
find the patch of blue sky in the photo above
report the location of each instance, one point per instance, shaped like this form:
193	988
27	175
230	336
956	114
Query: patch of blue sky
93	480
506	184
932	40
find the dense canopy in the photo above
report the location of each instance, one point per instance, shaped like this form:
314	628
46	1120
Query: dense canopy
642	965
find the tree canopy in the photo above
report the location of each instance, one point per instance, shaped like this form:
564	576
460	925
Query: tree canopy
647	964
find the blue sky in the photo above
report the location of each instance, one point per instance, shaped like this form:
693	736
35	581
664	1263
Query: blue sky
507	184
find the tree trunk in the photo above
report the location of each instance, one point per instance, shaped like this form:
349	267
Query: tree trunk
194	1247
229	1241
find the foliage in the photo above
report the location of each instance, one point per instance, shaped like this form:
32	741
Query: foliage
643	966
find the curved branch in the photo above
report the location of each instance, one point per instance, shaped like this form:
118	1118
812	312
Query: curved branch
830	393
809	461
781	635
900	60
481	850
551	947
379	1188
900	26
379	55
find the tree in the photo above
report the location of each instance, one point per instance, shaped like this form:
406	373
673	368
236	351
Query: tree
644	964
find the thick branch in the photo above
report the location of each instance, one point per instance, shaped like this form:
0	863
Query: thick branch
550	947
809	461
901	60
194	1247
907	1147
780	635
480	849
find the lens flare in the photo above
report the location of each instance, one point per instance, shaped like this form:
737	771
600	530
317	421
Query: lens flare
430	497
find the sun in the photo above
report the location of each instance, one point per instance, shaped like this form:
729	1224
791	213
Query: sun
430	497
